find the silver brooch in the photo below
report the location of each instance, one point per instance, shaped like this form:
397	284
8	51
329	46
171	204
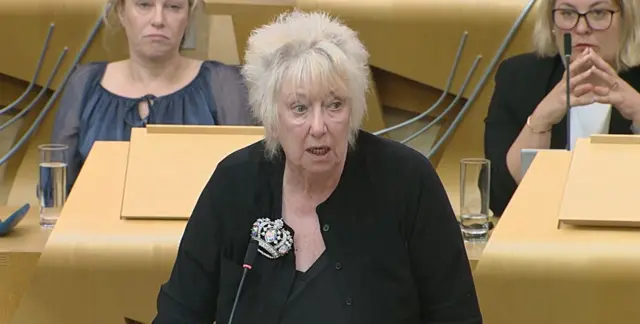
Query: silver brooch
273	239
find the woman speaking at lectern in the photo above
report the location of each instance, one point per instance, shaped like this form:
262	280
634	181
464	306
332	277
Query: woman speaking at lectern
102	101
350	227
528	108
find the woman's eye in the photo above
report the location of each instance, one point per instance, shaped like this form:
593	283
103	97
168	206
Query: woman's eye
335	105
299	109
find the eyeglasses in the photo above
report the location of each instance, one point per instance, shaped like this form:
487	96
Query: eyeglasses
597	19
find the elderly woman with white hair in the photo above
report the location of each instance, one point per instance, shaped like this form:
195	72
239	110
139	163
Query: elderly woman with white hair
321	222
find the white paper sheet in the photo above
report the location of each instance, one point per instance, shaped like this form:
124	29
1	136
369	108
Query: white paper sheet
588	120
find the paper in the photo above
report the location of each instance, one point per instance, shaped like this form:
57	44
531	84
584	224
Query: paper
588	120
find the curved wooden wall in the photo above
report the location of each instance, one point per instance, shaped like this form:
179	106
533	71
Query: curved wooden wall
416	40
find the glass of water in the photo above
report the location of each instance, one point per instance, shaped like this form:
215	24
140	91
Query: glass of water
475	179
52	184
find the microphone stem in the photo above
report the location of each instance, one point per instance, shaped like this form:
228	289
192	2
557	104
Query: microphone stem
568	101
235	302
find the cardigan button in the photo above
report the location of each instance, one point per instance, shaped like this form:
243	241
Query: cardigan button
326	227
349	301
338	266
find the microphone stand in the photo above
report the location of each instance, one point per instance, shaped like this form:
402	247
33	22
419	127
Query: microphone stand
249	257
567	62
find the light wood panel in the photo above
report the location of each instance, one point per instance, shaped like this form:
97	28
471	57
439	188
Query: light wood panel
594	194
153	193
533	271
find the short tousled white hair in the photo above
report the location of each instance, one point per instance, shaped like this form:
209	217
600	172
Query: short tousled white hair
312	49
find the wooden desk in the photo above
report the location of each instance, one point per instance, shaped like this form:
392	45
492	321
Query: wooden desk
531	271
19	253
97	268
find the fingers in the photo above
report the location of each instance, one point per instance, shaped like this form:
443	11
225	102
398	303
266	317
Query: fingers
583	100
601	91
601	64
602	94
602	99
582	90
580	78
581	64
606	78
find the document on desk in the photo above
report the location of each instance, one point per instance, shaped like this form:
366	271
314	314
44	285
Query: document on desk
588	120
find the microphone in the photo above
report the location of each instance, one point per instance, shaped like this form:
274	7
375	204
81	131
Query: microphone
249	257
567	59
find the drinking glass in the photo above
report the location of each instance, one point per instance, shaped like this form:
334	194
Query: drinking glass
52	184
475	179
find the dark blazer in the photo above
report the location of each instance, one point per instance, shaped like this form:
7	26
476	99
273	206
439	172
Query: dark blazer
388	228
521	82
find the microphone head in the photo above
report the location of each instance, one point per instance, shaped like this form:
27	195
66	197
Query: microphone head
567	44
250	256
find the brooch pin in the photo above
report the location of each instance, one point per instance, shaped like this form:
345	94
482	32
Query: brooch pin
273	239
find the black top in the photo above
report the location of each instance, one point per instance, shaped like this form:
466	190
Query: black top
521	83
388	224
318	283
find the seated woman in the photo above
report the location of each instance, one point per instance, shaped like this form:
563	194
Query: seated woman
351	227
528	108
156	85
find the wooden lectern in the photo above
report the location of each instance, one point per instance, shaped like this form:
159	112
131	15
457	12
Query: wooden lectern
602	183
169	165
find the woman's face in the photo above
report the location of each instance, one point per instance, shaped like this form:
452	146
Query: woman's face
592	23
154	28
313	127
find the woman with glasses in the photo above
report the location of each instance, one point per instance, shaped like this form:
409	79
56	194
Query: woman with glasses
529	104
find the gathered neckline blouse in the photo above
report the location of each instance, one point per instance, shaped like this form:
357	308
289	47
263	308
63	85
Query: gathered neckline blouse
89	112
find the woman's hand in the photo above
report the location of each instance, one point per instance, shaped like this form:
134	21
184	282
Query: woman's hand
615	91
553	107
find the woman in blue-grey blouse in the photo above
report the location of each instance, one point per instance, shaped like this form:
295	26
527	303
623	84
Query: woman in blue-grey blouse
156	85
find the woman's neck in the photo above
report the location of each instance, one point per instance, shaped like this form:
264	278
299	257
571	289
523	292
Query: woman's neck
153	72
316	187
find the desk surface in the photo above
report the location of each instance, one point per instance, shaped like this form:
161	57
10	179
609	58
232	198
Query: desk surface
19	253
533	271
108	268
27	236
97	268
